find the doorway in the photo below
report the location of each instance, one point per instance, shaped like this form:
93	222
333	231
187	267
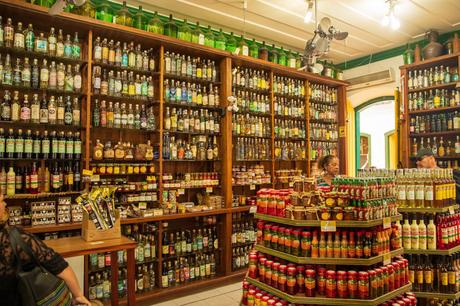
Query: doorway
375	133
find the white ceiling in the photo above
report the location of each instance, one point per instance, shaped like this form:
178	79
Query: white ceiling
281	21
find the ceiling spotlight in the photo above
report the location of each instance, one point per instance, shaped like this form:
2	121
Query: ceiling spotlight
390	18
309	13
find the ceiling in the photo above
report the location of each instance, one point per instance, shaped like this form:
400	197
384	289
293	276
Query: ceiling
281	21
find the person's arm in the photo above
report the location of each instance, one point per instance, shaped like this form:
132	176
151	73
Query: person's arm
69	277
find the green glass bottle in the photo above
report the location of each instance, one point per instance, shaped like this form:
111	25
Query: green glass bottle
185	32
282	58
139	18
209	38
104	12
155	24
87	9
274	55
123	16
231	43
298	60
197	35
263	52
290	59
221	41
170	27
254	49
244	49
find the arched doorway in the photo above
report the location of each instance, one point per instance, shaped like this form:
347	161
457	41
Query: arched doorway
374	133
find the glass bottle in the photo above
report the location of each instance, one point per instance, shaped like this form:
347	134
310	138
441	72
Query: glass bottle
29	38
104	13
155	24
123	16
139	17
52	42
19	42
170	27
244	49
184	32
209	38
197	36
254	49
221	41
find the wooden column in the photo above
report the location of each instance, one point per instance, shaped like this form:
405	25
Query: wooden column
307	126
403	123
272	107
89	68
342	118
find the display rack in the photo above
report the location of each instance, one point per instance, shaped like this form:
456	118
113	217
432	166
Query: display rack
89	30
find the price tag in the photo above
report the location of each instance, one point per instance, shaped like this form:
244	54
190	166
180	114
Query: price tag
209	189
386	222
142	205
341	131
328	226
180	191
253	209
252	187
451	210
95	178
87	172
291	184
386	258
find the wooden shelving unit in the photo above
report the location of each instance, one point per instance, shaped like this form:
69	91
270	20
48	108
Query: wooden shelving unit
427	209
444	296
434	252
88	30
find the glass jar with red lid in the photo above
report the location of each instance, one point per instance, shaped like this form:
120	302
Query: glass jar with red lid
267	235
397	274
374	284
379	277
295	243
342	284
262	202
271	204
258	298
306	244
281	238
262	269
251	297
300	279
268	272
352	277
281	205
331	284
287	240
271	302
252	267
291	280
310	283
275	237
264	300
321	280
391	277
275	267
385	279
282	278
363	285
260	232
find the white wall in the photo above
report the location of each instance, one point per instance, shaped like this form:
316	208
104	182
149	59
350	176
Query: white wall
376	120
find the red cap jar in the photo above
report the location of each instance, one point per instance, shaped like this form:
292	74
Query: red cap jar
262	269
342	284
275	267
352	284
291	280
321	281
300	279
331	284
363	285
282	278
310	283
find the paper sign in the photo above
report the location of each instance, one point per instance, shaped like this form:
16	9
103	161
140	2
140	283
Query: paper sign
181	191
252	187
342	131
328	226
253	209
95	178
386	222
87	172
386	258
209	189
451	210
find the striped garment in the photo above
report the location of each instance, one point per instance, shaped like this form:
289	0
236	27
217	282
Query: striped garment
59	297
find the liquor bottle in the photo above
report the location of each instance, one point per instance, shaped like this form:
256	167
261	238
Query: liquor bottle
69	79
77	177
28	144
15	107
52	111
37	145
68	111
17	73
8	34
44	111
10	182
34	179
19	144
77	80
45	146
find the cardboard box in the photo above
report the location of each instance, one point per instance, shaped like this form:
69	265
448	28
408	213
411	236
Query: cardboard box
90	233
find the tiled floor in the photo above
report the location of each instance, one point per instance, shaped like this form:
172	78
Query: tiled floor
228	295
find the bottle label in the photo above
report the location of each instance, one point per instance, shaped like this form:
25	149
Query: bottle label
69	147
34	181
77	147
45	146
19	145
61	146
2	144
36	146
28	145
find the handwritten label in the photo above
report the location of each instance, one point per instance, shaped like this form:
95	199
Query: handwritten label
386	222
252	187
451	210
209	189
87	172
180	191
386	258
253	209
328	226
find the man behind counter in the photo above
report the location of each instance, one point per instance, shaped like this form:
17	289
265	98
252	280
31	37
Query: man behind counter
426	160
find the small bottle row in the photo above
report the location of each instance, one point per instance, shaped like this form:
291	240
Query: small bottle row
320	148
290	107
112	53
435	123
122	151
250	149
191	67
323	112
290	151
117	116
251	102
198	148
433	99
25	39
251	126
250	78
44	76
442	148
288	86
240	257
189	242
186	270
250	175
190	94
321	131
323	93
183	120
290	129
122	84
17	145
46	111
189	180
419	79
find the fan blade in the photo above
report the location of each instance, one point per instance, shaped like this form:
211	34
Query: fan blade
58	7
322	45
324	24
340	35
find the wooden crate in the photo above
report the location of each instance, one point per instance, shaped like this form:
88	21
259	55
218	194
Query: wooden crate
89	232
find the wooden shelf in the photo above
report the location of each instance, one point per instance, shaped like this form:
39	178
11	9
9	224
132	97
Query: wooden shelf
240	209
248	185
115	129
434	110
426	209
439	86
37	229
121	68
191	79
39	159
251	160
211	212
250	136
430	295
129	99
190	105
430	134
242	112
192	133
432	61
434	252
328	261
302	299
254	90
42	195
40	56
47	126
191	187
317	223
40	91
123	161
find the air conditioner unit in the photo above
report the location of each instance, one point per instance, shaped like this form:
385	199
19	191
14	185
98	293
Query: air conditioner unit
371	79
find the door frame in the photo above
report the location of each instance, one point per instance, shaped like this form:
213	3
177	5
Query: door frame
358	110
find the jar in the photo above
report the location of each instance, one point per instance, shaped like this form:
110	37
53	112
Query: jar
136	168
101	169
271	205
396	275
129	169
268	272
349	213
301	279
291	281
275	267
321	279
281	239
374	284
280	207
262	203
251	297
305	244
262	269
260	232
310	283
288	239
298	213
342	285
385	280
116	169
275	237
252	268
379	277
311	213
245	293
295	243
338	213
352	284
282	278
391	278
325	213
143	169
267	236
264	300
331	284
271	302
363	285
109	168
258	299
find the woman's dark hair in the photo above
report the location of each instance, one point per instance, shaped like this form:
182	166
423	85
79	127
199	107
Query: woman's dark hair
324	161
